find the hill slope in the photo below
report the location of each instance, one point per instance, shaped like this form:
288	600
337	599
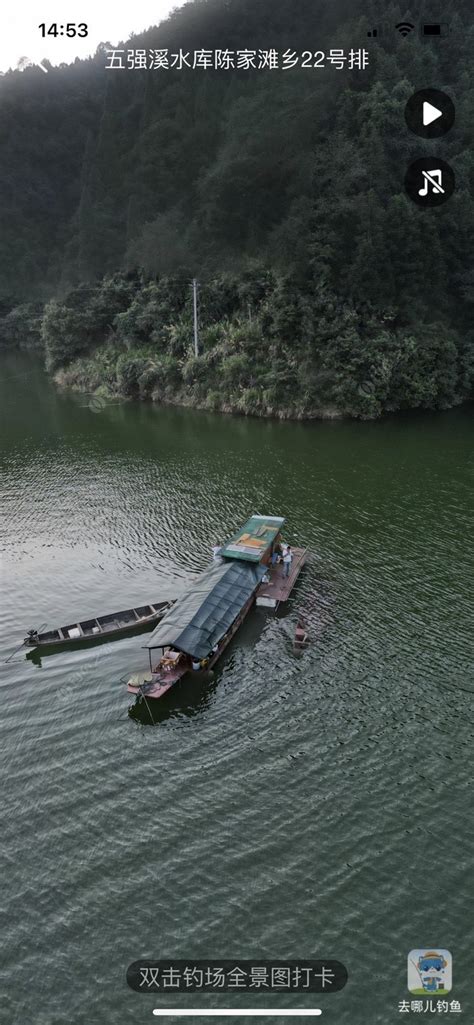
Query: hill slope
323	289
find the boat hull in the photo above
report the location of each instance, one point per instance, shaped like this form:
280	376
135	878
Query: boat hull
104	628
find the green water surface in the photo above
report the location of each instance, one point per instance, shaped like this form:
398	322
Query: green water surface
307	806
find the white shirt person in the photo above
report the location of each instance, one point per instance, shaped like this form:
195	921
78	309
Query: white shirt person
287	560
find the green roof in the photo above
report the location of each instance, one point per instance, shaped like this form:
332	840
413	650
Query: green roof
253	539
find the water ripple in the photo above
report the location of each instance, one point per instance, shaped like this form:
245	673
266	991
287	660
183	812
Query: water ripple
293	806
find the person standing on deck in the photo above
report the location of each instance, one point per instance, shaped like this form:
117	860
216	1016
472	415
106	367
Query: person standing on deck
287	560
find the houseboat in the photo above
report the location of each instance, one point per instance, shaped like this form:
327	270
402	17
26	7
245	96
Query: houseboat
193	634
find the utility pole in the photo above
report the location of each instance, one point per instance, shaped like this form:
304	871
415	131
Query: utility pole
195	311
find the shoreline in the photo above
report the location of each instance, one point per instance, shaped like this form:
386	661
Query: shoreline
87	376
181	401
102	395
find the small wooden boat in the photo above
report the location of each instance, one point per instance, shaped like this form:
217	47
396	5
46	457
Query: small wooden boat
103	627
302	638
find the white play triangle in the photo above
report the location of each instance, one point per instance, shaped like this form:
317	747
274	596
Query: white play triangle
430	113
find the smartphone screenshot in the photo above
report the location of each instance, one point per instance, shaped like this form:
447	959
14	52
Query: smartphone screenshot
236	477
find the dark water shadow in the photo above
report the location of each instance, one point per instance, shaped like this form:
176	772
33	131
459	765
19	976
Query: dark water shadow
189	697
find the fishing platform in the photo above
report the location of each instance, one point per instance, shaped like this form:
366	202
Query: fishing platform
278	587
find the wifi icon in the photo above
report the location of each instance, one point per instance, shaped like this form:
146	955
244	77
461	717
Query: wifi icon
404	28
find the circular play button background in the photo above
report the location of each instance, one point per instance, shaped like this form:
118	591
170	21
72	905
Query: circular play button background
430	113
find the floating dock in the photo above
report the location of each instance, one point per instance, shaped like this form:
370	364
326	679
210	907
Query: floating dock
279	587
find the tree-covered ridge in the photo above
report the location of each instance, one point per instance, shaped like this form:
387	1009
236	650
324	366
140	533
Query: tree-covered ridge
258	355
323	288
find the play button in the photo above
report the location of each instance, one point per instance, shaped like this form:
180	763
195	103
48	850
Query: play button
430	113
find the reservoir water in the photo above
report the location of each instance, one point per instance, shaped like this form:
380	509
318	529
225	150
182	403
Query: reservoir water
303	807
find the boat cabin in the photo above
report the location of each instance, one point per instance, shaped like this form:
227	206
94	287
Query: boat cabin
254	542
199	621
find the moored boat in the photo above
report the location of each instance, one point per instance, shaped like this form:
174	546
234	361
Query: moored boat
101	627
194	633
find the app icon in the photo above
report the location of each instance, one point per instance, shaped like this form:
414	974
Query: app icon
430	970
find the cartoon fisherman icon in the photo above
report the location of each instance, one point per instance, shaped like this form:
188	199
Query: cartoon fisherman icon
430	971
431	967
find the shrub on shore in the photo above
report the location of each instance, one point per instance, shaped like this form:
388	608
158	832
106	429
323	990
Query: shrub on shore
300	353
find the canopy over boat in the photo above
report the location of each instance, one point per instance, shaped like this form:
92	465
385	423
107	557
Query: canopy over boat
253	539
199	620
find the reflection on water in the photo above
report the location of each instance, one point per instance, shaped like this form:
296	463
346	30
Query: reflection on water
290	805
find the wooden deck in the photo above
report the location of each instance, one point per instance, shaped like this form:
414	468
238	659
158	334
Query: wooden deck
280	587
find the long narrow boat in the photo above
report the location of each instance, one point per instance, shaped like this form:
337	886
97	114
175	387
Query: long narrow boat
194	633
102	627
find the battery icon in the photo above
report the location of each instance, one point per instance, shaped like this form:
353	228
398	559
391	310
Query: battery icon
435	29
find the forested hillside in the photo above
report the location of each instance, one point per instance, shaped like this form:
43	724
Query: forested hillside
323	289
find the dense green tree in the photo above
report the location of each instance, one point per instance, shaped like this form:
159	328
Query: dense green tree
282	191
